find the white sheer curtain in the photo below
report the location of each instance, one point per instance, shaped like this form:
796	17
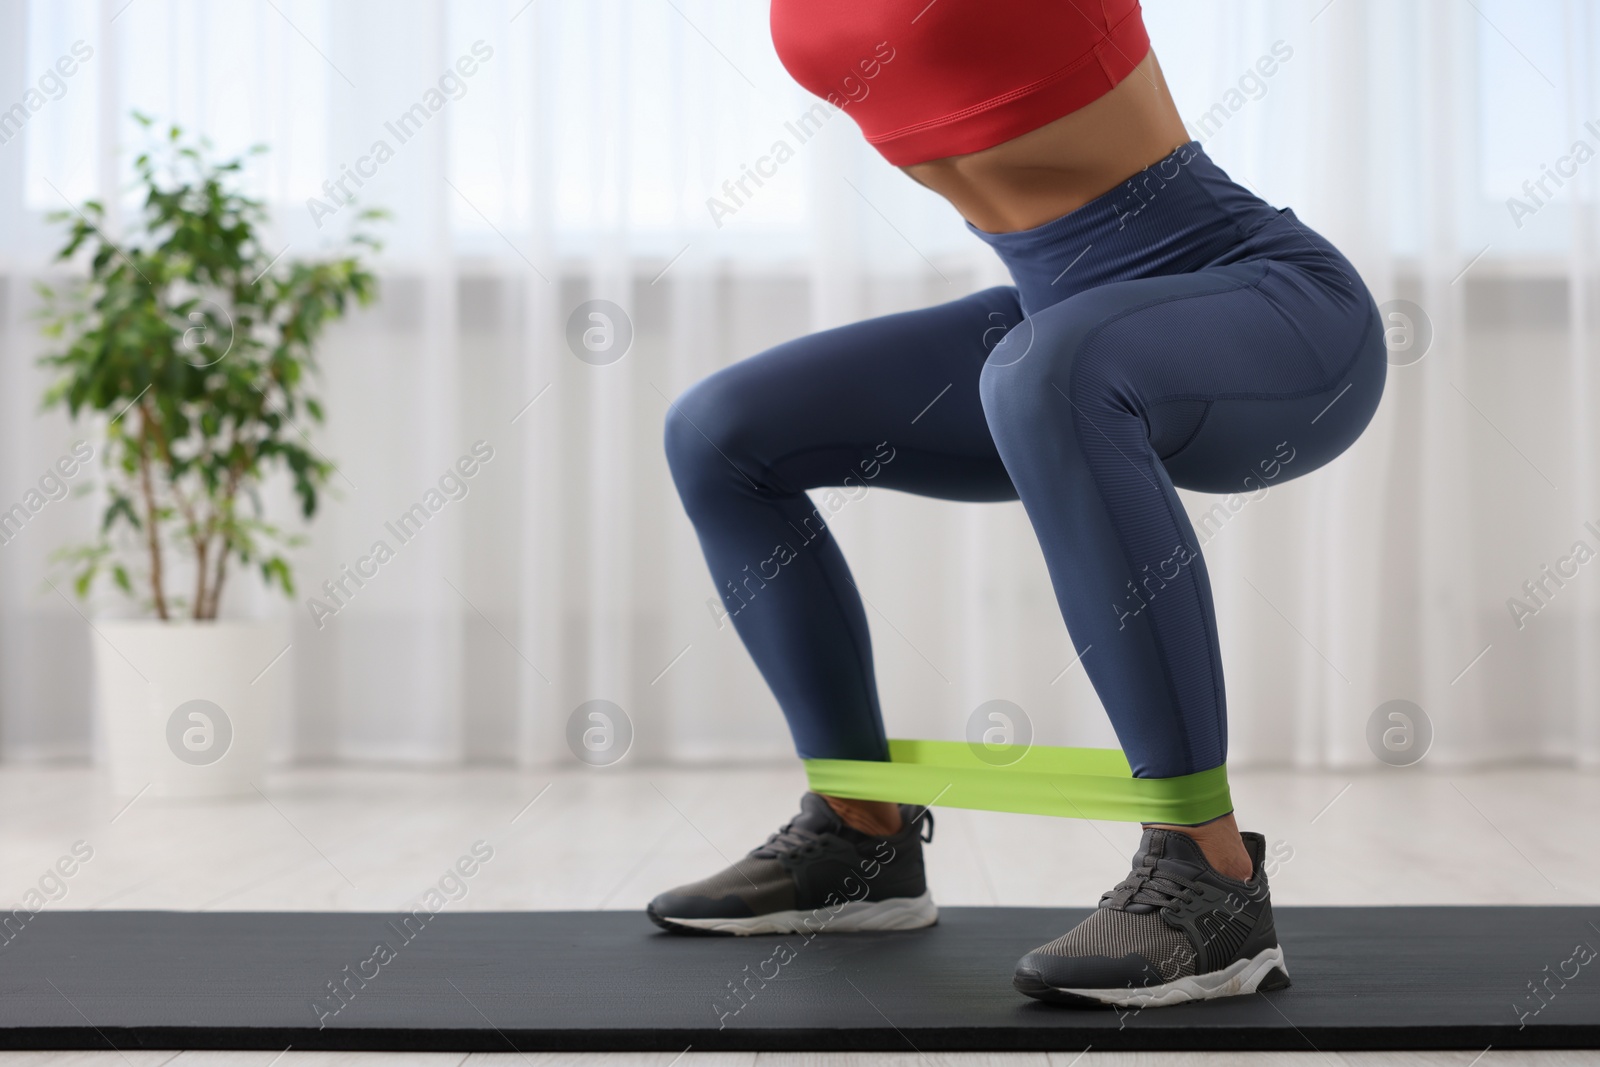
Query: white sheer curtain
577	162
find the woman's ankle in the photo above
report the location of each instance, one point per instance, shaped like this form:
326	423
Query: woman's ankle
879	818
1221	845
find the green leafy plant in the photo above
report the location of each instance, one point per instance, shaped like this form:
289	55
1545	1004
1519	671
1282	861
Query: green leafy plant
196	343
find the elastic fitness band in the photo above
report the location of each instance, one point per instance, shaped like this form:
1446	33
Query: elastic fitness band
1074	783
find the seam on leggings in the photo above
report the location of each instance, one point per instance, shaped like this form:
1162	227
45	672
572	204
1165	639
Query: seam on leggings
768	475
1234	285
1245	235
1350	363
1214	638
1189	440
1239	230
1346	365
1288	215
771	467
1294	327
1215	642
861	664
867	686
1161	652
1343	372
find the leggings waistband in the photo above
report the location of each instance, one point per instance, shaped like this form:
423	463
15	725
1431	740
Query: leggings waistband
1179	214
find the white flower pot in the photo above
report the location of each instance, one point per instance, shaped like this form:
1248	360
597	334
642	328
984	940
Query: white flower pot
188	708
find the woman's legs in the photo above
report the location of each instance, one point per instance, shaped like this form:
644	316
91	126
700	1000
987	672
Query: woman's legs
1092	410
1219	380
889	402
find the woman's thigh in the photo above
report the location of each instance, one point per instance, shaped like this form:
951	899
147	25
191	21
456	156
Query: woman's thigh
1234	371
891	401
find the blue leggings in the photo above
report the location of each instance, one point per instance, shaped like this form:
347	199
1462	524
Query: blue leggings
1176	331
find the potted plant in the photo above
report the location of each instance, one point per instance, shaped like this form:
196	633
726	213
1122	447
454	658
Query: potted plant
193	346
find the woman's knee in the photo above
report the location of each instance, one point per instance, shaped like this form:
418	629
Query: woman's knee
708	436
696	413
1030	383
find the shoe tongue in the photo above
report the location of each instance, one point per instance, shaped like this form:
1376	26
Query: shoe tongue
816	815
1158	845
1168	849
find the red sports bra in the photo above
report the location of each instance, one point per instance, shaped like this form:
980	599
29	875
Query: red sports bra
925	80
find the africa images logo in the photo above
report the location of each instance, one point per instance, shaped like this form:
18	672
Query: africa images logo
199	732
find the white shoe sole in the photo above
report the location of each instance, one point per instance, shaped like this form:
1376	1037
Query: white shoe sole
1239	977
855	916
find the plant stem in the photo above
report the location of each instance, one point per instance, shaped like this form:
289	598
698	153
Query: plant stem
216	584
152	535
199	534
223	514
202	546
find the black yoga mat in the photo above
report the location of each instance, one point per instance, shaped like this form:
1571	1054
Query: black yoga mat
1364	978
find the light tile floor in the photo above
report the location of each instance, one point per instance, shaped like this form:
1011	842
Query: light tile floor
375	839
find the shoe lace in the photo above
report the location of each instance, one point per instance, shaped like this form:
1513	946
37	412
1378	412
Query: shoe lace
791	839
787	841
1150	885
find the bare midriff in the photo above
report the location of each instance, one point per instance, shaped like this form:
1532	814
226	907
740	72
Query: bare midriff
1059	167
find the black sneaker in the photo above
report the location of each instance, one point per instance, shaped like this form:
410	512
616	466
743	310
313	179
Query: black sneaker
816	875
1173	930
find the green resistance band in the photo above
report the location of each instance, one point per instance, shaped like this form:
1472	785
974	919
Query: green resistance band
1074	783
